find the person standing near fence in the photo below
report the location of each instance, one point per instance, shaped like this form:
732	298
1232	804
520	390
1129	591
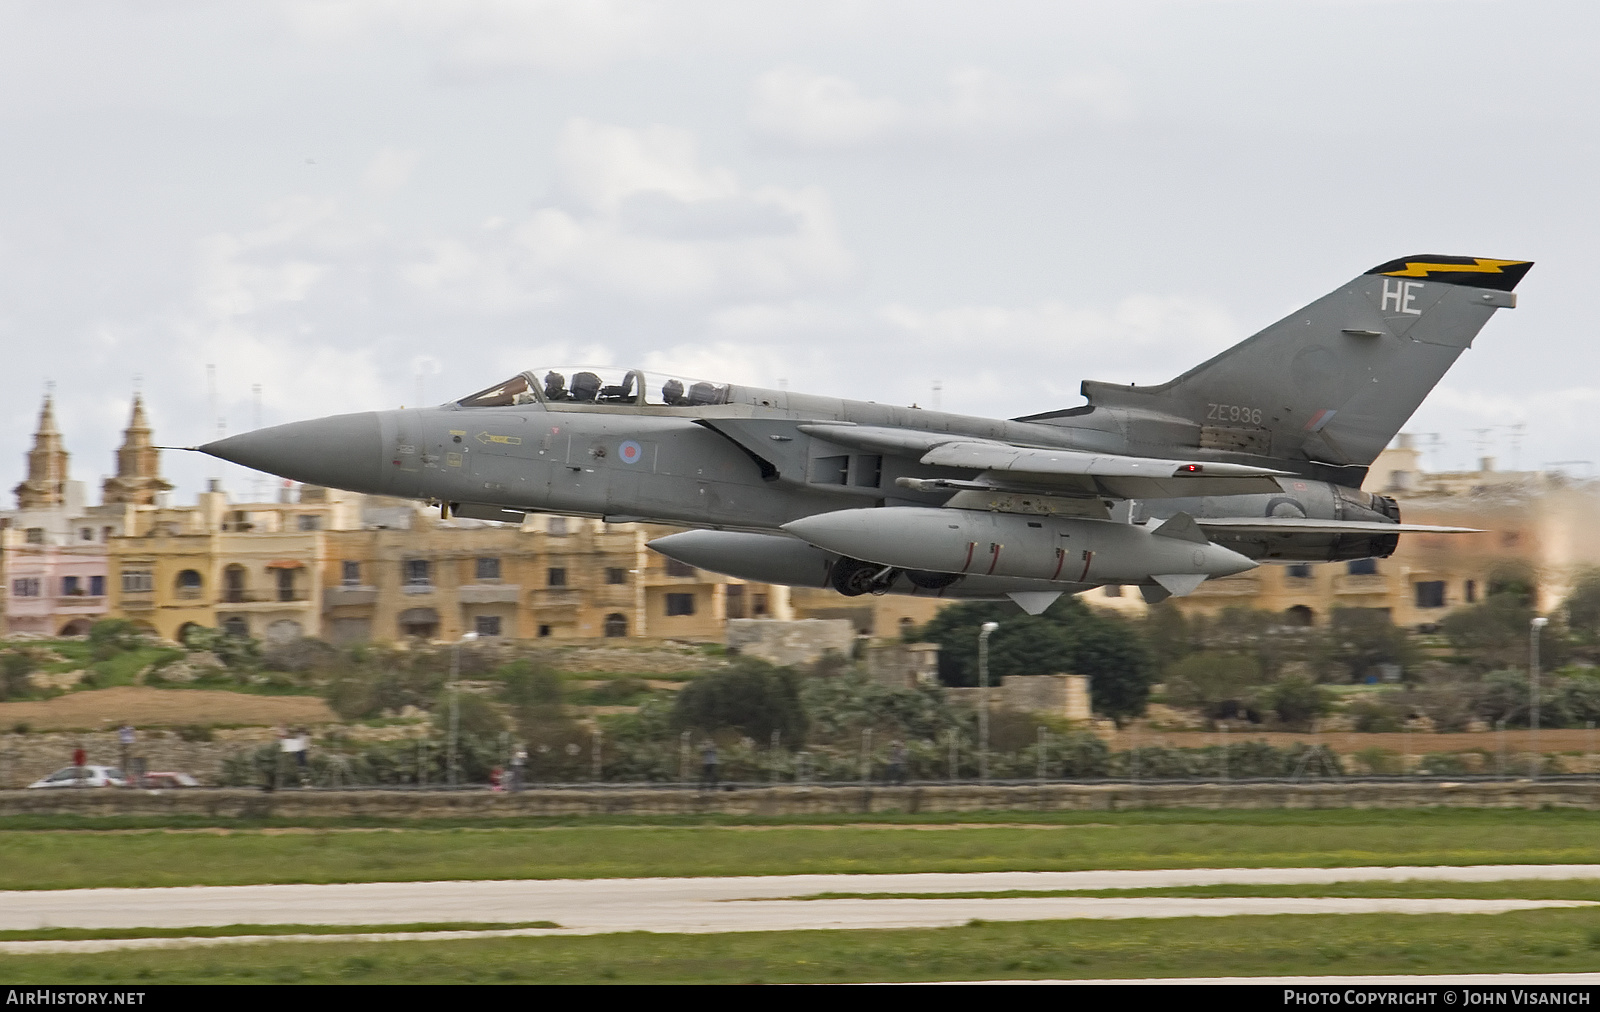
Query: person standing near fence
708	764
125	740
897	762
519	764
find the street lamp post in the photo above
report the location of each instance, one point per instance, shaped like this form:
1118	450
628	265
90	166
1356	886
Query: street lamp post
1534	627
455	706
983	699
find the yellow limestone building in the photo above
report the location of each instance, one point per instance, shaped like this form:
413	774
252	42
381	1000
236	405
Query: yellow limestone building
1530	521
349	569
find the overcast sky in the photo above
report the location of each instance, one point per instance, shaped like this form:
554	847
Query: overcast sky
354	204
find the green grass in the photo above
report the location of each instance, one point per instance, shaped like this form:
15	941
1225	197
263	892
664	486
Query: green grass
1538	941
235	930
45	858
1509	889
124	667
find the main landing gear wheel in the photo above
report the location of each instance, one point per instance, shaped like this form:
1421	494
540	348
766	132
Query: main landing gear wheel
931	581
852	577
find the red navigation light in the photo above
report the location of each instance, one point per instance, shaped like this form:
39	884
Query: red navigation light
1191	467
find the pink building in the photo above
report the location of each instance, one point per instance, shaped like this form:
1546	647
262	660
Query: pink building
53	546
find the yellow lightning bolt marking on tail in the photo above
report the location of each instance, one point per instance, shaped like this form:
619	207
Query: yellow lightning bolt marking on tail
1421	269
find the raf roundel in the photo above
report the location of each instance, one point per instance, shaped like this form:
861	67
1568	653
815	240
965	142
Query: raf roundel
630	452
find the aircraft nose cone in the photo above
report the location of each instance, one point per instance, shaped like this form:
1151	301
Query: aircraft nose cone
342	451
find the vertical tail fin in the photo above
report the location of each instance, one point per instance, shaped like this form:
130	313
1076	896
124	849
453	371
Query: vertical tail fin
1331	383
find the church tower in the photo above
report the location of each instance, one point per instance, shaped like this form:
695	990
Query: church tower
138	478
47	465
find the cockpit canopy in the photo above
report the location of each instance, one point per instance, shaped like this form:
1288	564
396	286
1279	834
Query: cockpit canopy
598	385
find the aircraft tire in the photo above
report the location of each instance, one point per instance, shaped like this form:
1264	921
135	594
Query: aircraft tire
852	577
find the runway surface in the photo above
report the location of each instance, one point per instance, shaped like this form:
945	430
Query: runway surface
699	905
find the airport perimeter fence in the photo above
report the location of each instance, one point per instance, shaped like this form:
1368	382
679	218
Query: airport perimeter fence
491	763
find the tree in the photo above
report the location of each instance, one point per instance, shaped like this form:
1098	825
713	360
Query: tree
1296	701
750	696
15	667
1067	639
1360	641
1214	682
1583	607
1494	634
476	715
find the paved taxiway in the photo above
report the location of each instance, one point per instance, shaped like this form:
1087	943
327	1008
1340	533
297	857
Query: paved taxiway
724	904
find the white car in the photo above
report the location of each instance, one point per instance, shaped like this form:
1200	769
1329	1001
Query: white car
83	776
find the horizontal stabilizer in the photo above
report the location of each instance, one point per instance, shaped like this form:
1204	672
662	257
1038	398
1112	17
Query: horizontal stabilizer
1182	527
1303	525
1181	584
1034	602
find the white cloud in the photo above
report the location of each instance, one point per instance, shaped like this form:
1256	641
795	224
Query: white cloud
485	37
800	107
389	171
649	221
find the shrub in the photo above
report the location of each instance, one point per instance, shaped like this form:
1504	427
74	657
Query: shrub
750	696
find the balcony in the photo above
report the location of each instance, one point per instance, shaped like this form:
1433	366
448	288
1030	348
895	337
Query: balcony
490	593
1361	583
545	600
334	597
235	596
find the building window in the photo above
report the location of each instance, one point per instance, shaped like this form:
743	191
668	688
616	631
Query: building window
557	577
733	606
189	584
1363	567
676	568
1301	571
25	586
544	631
71	586
138	581
616	575
487	625
418	573
97	586
35	535
86	534
105	534
1430	594
1300	615
488	569
233	584
350	573
1472	591
616	625
236	627
680	604
758	605
309	522
286	585
557	527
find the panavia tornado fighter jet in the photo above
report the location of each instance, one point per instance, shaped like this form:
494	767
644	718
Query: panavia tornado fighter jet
1256	455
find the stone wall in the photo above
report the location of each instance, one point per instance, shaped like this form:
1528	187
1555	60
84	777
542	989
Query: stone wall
793	643
324	804
25	758
1065	696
